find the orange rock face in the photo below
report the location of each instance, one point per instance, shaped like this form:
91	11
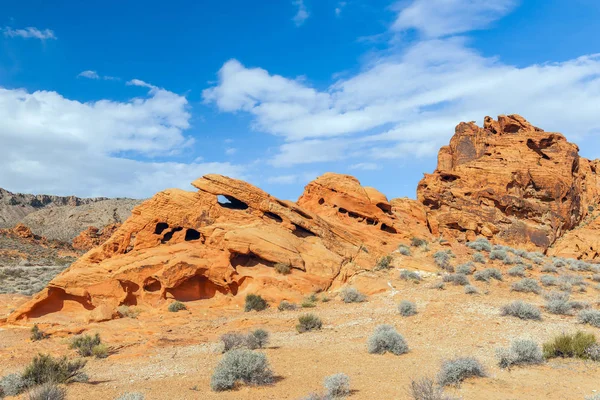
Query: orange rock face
93	237
190	246
510	181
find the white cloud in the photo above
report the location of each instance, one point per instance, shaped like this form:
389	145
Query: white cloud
302	13
29	33
436	18
340	7
365	166
94	75
52	144
230	151
408	101
89	74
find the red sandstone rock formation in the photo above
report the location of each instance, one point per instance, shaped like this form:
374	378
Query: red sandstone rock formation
189	246
510	181
93	237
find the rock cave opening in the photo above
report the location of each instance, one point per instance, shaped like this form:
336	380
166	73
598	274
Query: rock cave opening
273	216
231	202
169	235
191	235
160	227
302	232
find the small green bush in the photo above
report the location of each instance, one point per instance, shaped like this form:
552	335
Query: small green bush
418	242
257	339
593	352
470	289
177	306
255	302
100	351
351	295
404	250
407	308
549	269
480	244
12	385
85	344
409	275
438	286
457	279
386	339
498	254
384	262
283	269
569	346
47	391
479	258
37	334
548	280
46	369
519	271
442	259
455	371
286	306
488	274
520	352
306	303
128	312
247	366
558	303
526	285
308	322
590	317
465	269
232	341
521	310
337	386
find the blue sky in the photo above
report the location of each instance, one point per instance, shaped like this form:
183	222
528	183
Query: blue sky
134	97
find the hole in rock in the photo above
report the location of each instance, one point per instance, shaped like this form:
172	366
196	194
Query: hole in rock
59	300
231	203
301	213
386	208
531	144
191	234
152	285
197	287
160	227
273	216
388	229
169	235
342	210
371	221
302	232
448	177
321	201
130	288
248	260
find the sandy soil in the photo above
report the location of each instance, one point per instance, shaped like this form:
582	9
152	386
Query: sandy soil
172	355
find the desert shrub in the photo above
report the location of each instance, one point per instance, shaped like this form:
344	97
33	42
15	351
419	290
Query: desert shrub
12	385
470	289
286	306
351	295
526	285
455	371
44	369
407	308
480	244
337	386
558	303
549	268
385	339
247	366
85	344
325	299
404	250
384	262
465	269
579	265
442	259
533	254
488	274
571	280
37	334
232	341
596	277
308	322
438	286
426	389
177	306
128	312
255	302
307	303
593	352
479	258
519	271
47	391
569	346
409	275
579	305
559	262
418	242
591	317
457	279
257	339
498	254
510	260
548	280
283	269
100	351
131	396
519	353
537	260
521	310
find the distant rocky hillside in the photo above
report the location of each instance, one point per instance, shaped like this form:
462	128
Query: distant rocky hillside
61	218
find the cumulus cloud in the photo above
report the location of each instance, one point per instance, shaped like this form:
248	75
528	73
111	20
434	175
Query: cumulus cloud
408	101
301	13
56	145
89	74
29	33
436	18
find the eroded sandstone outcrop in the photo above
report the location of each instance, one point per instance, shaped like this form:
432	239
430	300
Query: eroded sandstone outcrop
93	237
510	181
223	241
